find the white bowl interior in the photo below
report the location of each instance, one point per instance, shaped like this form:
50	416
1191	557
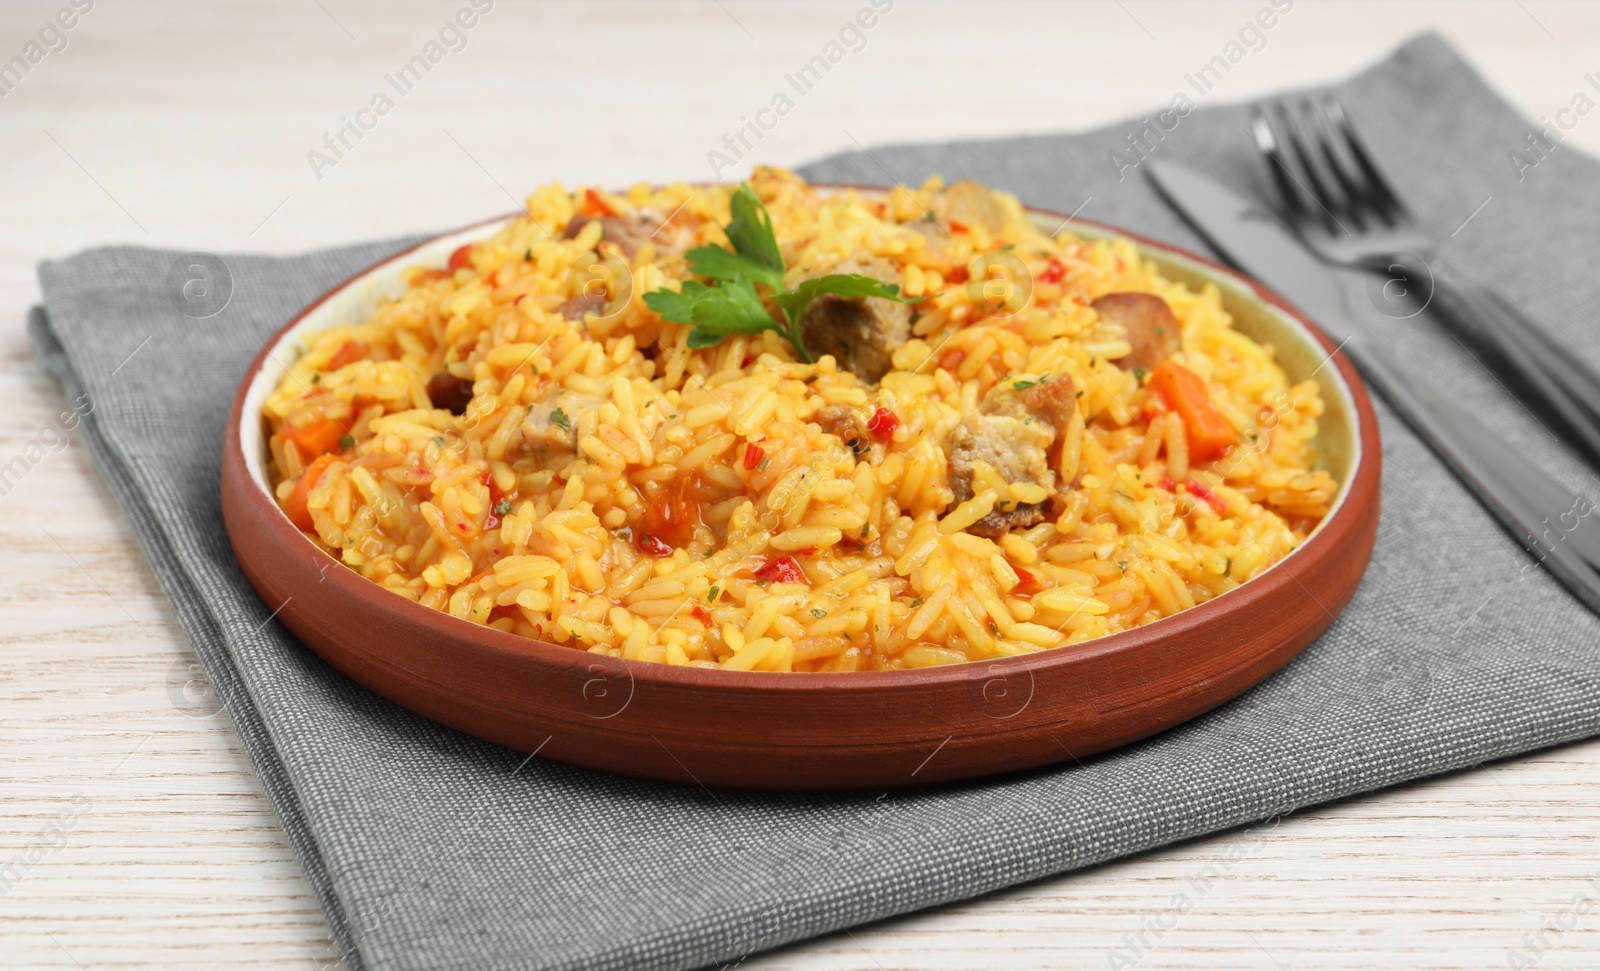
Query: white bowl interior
350	304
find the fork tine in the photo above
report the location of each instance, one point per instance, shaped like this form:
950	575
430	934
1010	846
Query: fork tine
1276	141
1382	194
1271	147
1308	144
1358	205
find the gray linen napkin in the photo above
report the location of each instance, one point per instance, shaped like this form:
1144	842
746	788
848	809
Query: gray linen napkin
430	849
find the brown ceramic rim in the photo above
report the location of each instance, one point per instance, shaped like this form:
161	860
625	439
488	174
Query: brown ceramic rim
320	604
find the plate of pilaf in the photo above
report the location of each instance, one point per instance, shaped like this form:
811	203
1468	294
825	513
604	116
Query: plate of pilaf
793	486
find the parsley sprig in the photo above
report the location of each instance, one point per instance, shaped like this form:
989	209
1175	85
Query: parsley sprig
730	303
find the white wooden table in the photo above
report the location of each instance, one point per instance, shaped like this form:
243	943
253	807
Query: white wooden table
187	124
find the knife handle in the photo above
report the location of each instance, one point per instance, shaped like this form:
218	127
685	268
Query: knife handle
1526	501
1557	378
1580	381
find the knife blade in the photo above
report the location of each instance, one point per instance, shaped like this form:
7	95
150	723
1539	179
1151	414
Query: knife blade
1559	526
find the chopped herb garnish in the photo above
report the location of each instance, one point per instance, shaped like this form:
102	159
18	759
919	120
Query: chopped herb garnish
865	528
1122	565
730	304
918	602
1139	373
560	420
764	463
708	554
713	594
347	442
502	507
1227	565
818	612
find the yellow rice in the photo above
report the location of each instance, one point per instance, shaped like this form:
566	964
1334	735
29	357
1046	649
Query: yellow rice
891	577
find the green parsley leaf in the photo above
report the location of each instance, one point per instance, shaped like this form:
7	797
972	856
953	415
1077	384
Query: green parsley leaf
560	420
731	305
750	231
713	594
502	507
865	528
1023	385
677	308
1139	373
818	612
719	264
347	442
794	302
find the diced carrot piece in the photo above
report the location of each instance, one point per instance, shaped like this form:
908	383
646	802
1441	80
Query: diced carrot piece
317	437
1209	434
348	352
295	505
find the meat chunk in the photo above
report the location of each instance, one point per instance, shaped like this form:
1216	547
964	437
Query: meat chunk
450	393
550	429
1019	422
591	301
861	333
628	231
970	204
1153	329
851	428
1050	400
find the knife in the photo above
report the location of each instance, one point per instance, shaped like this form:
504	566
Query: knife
1561	529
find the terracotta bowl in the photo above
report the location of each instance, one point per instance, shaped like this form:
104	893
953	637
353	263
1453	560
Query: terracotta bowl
814	731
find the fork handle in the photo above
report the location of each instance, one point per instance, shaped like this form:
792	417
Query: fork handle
1564	384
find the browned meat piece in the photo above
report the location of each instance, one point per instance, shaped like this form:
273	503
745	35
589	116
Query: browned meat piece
550	430
1153	330
449	392
970	204
591	301
1047	399
936	234
630	230
575	226
851	428
862	333
1015	435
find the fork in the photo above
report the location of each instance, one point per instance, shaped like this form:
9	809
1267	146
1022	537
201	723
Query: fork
1339	203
